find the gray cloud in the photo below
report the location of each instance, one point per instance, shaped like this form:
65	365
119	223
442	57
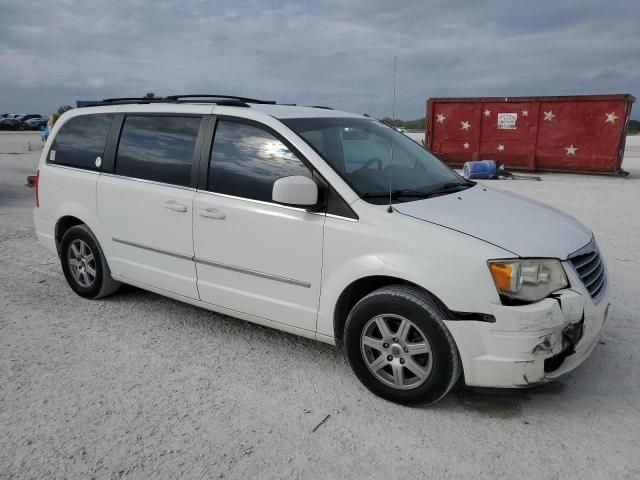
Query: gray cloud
323	52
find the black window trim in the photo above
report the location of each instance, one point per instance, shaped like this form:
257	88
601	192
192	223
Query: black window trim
115	134
207	150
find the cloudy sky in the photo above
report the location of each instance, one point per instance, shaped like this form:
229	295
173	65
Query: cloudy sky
328	52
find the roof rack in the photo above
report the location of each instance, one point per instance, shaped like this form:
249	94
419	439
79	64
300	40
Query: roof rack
225	97
226	100
229	101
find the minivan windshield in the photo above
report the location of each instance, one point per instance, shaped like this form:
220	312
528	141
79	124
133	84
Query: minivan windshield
378	162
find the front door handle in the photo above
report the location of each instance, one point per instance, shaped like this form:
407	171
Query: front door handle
212	213
175	206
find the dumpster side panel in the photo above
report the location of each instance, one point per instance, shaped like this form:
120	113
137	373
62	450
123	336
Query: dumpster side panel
578	133
455	131
508	132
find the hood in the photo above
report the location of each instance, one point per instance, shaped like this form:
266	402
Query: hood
524	227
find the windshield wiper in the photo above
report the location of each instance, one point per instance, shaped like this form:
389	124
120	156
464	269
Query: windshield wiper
396	194
404	192
449	187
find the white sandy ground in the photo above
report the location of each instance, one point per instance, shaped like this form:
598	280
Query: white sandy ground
140	386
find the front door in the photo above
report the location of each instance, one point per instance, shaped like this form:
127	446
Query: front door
252	255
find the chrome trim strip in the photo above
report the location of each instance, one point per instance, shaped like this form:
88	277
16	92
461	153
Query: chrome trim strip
255	273
224	266
261	202
273	204
76	169
144	180
589	247
340	217
153	249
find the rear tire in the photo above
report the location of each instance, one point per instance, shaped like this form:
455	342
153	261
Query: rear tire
84	264
399	347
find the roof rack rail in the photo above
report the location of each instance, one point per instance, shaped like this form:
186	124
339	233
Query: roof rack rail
320	106
132	99
225	97
228	101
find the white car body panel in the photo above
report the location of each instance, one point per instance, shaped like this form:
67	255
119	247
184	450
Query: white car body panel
273	273
150	242
255	263
424	254
522	226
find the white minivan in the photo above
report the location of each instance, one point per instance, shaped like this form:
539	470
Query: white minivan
327	225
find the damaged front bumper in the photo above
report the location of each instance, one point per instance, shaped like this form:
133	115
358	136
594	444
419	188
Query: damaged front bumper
531	344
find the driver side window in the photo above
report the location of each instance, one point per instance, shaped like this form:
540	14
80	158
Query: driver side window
245	161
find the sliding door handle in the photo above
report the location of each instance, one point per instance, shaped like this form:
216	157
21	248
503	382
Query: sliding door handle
212	213
175	206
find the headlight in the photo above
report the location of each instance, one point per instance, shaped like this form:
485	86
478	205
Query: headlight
528	280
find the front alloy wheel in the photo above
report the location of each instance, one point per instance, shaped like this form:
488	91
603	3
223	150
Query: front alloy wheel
396	351
399	347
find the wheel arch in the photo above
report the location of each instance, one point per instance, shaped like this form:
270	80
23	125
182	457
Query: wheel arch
63	224
361	287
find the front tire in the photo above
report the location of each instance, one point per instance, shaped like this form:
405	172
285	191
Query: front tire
399	347
84	264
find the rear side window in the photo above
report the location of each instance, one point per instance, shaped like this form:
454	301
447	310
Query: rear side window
246	160
158	148
80	141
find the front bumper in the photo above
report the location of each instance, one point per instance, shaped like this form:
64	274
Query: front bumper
531	344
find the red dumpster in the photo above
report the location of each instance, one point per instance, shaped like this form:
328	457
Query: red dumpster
584	133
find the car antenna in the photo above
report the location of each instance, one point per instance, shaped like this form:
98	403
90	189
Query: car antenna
393	115
390	208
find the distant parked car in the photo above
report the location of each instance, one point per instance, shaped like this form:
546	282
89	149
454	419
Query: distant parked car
35	124
10	124
24	118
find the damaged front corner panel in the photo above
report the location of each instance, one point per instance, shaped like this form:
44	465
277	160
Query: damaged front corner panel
550	344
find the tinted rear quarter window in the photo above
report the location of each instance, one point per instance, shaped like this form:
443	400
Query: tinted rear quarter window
246	160
158	148
80	141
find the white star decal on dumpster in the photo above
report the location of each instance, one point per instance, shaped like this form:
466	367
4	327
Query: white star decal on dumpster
571	150
525	113
501	148
466	145
441	118
487	112
465	125
611	117
549	115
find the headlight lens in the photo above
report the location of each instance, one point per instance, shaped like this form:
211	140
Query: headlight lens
528	280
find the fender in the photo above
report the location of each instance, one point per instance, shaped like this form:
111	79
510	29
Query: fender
434	273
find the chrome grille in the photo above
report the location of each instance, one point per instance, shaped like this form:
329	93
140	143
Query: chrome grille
590	268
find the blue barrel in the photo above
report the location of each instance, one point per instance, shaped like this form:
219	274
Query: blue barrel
481	169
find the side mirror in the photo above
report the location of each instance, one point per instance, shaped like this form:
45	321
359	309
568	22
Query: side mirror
296	191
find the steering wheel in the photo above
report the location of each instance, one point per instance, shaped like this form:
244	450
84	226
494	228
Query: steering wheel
370	162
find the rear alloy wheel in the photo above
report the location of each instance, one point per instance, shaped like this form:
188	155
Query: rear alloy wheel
84	264
399	347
